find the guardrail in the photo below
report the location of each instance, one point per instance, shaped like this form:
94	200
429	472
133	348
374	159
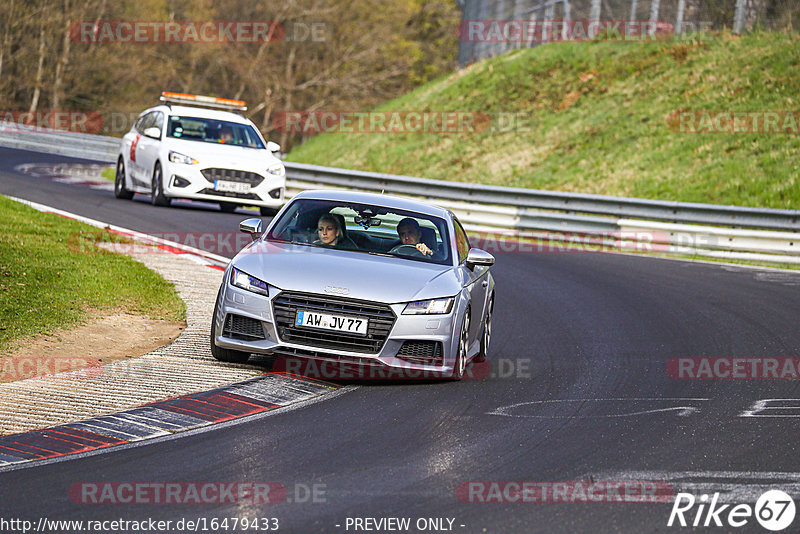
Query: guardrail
79	145
711	230
532	199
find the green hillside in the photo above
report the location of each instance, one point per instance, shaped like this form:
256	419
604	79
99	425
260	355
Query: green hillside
602	117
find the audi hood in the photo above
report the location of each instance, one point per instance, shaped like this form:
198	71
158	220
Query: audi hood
348	274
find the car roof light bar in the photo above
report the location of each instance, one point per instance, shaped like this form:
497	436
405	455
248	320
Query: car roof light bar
209	101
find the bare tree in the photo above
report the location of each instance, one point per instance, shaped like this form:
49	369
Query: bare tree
5	43
37	89
364	52
63	60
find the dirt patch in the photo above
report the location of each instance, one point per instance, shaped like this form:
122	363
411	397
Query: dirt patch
84	349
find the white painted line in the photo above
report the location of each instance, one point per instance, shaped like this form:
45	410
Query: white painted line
761	407
681	411
117	419
103	431
102	187
178	420
733	486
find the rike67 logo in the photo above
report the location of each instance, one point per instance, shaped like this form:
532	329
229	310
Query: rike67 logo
774	510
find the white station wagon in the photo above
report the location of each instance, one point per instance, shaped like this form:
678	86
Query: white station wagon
183	149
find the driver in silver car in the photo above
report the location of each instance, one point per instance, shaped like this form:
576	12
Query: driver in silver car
410	234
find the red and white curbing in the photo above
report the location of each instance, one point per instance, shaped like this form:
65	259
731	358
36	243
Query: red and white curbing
164	382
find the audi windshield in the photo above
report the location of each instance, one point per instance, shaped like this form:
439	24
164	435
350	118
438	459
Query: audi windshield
364	228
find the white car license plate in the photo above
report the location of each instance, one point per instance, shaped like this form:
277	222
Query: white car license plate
324	321
231	187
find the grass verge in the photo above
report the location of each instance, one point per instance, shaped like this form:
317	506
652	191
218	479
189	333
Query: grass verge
599	117
51	273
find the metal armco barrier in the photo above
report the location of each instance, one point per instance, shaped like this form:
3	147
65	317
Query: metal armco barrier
710	230
658	210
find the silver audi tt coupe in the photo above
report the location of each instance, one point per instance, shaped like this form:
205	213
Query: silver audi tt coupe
358	279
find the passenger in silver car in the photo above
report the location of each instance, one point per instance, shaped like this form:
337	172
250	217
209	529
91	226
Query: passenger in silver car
331	233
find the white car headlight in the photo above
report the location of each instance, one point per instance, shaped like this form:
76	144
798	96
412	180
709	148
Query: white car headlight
249	283
277	170
177	157
429	307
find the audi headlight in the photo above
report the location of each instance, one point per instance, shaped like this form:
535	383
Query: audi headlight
177	157
429	307
249	283
277	170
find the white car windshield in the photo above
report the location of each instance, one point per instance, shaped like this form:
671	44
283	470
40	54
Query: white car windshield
364	228
213	131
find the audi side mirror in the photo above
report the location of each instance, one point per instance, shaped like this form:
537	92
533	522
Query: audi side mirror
252	227
476	256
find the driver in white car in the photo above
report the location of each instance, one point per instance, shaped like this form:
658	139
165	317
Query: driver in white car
410	234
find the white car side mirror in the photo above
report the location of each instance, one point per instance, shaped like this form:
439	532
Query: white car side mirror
272	146
153	132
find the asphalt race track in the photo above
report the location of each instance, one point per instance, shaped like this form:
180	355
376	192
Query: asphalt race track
579	391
